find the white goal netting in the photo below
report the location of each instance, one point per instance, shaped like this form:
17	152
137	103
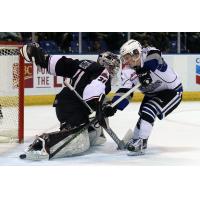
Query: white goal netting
11	94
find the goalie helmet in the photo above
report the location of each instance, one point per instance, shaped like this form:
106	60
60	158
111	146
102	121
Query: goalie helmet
110	61
133	48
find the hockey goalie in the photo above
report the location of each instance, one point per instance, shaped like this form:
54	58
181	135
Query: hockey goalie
89	80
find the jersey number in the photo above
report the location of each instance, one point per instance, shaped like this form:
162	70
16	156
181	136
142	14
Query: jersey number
102	79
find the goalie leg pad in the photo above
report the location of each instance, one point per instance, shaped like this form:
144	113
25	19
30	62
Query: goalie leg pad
77	146
44	145
96	135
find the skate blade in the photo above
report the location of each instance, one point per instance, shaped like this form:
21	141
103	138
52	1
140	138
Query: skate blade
133	153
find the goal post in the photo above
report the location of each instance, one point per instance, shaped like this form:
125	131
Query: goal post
11	93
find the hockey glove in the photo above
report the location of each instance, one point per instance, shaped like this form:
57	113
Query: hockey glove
108	110
33	53
144	77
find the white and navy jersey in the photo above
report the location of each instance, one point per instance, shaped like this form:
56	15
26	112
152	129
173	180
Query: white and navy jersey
87	77
162	75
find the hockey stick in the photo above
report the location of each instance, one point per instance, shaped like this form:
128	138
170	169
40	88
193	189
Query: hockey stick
125	95
112	105
121	143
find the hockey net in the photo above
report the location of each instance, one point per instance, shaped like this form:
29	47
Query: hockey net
11	94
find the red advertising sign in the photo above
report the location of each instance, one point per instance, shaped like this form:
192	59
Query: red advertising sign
28	75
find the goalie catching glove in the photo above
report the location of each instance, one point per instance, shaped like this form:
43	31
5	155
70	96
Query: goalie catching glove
33	53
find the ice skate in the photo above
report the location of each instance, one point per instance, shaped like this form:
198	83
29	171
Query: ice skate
136	147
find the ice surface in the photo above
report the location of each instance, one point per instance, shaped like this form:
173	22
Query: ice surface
174	140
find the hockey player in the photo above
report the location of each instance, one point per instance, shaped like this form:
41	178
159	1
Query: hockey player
89	79
160	85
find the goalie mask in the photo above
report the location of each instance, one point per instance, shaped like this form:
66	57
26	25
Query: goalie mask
110	61
130	53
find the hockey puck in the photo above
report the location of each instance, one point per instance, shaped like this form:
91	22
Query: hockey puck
22	156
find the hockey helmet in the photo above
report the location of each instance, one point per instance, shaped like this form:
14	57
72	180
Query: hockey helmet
132	48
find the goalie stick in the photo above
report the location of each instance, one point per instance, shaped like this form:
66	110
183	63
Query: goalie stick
80	98
104	123
121	144
100	118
